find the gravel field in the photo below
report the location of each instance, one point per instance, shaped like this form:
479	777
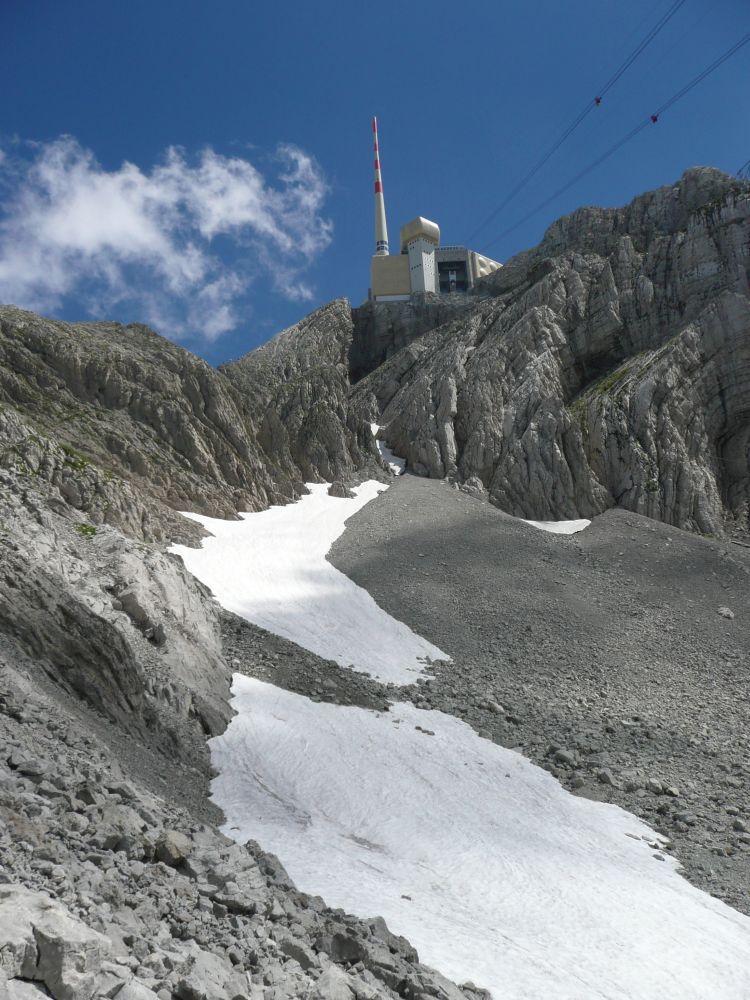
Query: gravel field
617	658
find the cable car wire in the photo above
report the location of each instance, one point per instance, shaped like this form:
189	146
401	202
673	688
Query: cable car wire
593	103
637	51
651	119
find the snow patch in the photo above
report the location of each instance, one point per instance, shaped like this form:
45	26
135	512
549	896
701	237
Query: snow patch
271	569
559	527
490	868
394	463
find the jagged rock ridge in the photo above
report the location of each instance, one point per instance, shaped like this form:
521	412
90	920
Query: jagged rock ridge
607	366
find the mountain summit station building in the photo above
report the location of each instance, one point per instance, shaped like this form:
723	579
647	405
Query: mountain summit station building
422	265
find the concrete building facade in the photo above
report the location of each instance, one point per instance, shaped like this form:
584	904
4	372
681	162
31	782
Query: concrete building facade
419	238
424	266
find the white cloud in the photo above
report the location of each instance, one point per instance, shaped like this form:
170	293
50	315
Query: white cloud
71	230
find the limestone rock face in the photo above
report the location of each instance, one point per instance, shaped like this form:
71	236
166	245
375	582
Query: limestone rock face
130	428
42	941
297	389
137	407
611	366
383	328
117	622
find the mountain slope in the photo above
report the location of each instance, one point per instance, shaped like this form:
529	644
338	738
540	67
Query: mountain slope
143	427
607	366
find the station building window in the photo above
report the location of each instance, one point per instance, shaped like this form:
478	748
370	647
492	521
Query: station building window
453	276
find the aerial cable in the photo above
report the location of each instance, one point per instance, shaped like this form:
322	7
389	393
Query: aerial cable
638	49
574	180
678	39
595	102
651	119
744	171
701	76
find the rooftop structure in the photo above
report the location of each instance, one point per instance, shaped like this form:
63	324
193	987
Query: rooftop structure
422	264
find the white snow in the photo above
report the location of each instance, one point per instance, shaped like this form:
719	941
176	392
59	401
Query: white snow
271	569
490	868
394	463
559	527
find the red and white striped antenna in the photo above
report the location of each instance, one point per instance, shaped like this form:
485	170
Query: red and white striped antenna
381	228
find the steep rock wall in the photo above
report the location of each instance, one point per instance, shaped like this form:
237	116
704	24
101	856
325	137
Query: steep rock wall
383	328
618	375
296	387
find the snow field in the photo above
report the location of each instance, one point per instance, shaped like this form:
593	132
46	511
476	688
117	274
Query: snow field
490	868
560	527
271	569
394	463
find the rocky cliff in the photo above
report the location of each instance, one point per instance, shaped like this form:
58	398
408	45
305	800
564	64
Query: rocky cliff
606	367
108	618
135	406
609	366
380	329
296	389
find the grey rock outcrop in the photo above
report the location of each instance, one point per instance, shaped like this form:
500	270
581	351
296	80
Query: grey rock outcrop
610	367
297	388
41	941
130	428
383	328
121	624
136	406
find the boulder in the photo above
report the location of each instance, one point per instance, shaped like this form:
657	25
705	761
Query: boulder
173	848
44	942
337	489
134	989
208	978
334	984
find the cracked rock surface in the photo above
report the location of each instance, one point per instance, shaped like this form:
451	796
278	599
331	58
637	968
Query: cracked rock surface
608	367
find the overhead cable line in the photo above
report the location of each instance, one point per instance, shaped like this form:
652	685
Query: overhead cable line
701	76
638	49
652	119
593	103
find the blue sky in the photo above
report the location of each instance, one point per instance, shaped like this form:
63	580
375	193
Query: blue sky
263	209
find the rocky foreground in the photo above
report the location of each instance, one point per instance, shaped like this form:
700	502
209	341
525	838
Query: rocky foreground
108	889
